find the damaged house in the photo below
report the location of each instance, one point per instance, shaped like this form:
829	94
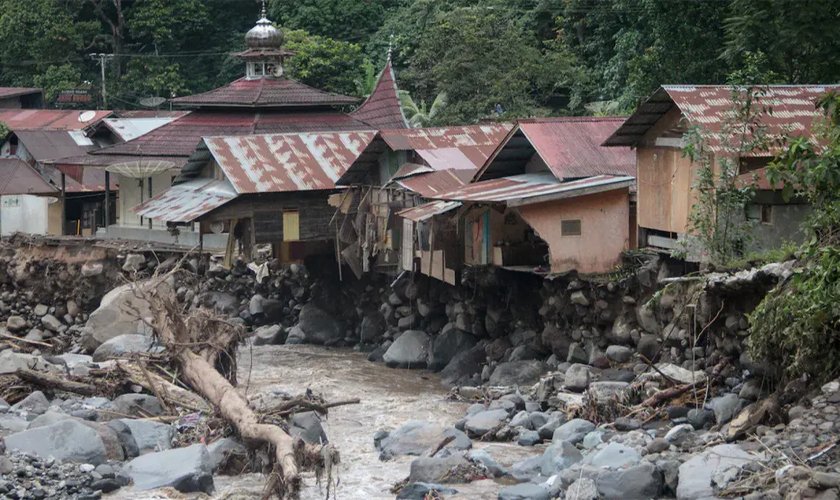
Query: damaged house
403	168
262	189
550	199
666	176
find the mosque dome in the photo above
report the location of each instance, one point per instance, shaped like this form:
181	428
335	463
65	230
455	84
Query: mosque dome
264	35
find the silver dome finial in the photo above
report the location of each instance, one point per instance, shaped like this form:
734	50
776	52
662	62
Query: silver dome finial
263	13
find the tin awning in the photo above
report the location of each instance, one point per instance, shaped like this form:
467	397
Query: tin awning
188	201
426	211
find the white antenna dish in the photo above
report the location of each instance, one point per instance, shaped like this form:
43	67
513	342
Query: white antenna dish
217	227
87	116
278	71
152	102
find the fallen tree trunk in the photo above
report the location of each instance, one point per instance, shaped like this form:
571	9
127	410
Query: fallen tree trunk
162	388
47	381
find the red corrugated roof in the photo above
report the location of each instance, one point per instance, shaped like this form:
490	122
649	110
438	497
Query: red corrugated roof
533	188
791	109
480	140
17	177
181	137
45	145
264	93
8	92
49	119
382	108
571	146
287	162
428	210
433	184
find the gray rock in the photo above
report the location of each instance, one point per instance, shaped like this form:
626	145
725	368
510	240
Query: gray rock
134	405
270	335
34	404
139	437
648	346
10	362
422	491
524	491
695	474
483	422
463	366
546	431
639	481
614	455
583	489
521	419
51	323
573	431
6	465
417	437
225	452
16	324
120	312
751	390
619	353
48	418
577	377
12	423
447	345
605	391
678	433
410	350
577	353
625	424
307	426
699	418
528	438
435	470
527	469
316	326
725	407
134	262
187	470
4	406
122	345
658	445
484	459
579	298
559	456
373	327
514	373
69	440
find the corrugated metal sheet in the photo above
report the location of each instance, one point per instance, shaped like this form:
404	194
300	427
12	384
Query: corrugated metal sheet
465	158
477	139
287	162
264	93
428	210
17	177
791	110
132	128
382	108
433	184
571	146
409	169
520	188
46	145
50	119
188	201
181	137
8	92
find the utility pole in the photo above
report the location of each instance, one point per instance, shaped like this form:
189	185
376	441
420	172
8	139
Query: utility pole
103	61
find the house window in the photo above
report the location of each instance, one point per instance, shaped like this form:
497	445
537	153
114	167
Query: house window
570	227
291	225
760	213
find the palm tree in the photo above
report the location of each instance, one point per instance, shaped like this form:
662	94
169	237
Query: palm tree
418	115
366	84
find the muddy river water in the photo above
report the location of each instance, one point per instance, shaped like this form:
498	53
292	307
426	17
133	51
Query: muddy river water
389	398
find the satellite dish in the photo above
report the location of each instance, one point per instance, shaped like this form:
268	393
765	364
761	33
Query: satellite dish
152	102
278	71
217	227
87	116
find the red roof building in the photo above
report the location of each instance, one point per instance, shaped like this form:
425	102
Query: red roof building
382	108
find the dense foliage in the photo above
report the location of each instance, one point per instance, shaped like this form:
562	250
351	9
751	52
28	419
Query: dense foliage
491	58
798	323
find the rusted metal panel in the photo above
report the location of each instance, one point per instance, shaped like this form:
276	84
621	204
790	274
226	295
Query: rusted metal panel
571	146
188	201
45	145
475	141
788	109
17	177
428	210
432	184
521	188
287	162
50	119
382	108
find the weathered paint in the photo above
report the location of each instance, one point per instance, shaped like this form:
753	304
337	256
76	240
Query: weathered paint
604	230
26	214
664	184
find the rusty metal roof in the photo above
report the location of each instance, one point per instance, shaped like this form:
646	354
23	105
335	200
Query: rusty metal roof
264	93
50	119
17	177
428	210
188	201
791	109
534	188
570	147
432	184
382	108
8	92
45	145
287	162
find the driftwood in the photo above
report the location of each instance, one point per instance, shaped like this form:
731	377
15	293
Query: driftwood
48	381
165	390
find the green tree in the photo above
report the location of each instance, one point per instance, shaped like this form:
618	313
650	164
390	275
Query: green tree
58	78
345	20
421	115
323	62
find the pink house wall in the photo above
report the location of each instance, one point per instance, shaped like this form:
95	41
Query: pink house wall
604	235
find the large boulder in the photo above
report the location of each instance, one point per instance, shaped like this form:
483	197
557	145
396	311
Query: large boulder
517	373
31	406
410	350
422	491
307	426
559	456
315	326
638	481
11	361
483	422
373	327
123	345
436	470
70	440
417	437
228	456
187	470
464	366
525	491
139	437
573	431
122	311
445	346
270	335
133	405
695	476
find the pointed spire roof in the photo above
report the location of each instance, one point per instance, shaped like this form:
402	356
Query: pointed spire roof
382	108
